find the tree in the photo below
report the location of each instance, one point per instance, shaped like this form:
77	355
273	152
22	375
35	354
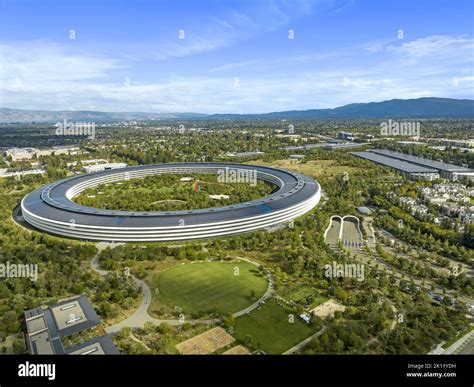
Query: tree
229	321
248	340
253	295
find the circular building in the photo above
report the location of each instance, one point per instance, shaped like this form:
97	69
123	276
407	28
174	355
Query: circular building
50	208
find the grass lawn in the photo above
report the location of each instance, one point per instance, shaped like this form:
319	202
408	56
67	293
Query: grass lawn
315	168
270	329
303	293
205	286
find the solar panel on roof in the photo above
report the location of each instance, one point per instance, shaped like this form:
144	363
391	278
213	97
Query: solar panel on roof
264	208
420	160
107	218
394	163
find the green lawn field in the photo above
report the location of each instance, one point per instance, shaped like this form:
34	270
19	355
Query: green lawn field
270	328
205	286
300	296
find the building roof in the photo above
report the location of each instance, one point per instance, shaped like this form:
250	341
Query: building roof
36	324
74	315
302	147
364	210
46	327
439	165
43	336
345	145
394	163
52	202
244	154
102	345
41	344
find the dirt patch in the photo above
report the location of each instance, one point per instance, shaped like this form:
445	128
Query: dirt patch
237	350
205	343
328	309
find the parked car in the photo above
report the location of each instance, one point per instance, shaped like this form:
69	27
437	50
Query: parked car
305	317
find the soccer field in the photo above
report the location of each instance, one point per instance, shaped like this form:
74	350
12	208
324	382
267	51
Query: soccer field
205	286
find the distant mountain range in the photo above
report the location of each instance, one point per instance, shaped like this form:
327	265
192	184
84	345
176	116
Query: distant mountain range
395	108
39	116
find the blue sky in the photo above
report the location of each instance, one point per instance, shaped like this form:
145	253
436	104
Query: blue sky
231	56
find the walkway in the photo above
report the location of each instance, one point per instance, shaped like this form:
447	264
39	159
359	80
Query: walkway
459	346
140	317
306	341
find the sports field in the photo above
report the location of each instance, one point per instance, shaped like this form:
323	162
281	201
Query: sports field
307	296
271	329
200	287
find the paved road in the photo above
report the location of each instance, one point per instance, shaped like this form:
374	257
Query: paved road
350	231
141	316
300	345
416	280
439	350
332	236
466	268
369	230
467	342
467	348
465	345
266	296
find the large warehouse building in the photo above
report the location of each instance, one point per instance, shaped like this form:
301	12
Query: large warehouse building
410	171
446	171
414	167
51	209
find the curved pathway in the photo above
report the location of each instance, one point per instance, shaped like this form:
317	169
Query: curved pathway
306	341
266	296
141	316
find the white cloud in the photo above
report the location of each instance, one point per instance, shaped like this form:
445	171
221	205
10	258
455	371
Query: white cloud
446	49
432	45
42	75
346	4
47	62
231	66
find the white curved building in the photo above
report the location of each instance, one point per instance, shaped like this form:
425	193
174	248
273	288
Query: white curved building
51	209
